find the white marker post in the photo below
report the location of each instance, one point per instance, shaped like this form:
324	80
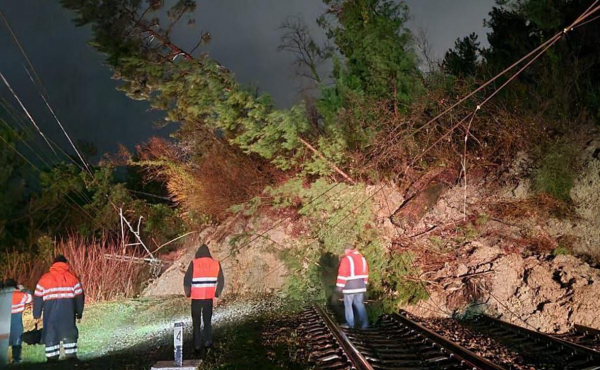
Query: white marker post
178	364
178	343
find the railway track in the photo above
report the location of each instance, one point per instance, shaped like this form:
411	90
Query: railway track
394	343
542	351
584	336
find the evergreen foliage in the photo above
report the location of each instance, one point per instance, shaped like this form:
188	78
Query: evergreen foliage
233	144
557	171
378	57
462	61
332	219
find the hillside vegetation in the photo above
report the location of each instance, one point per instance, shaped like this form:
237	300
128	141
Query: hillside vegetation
376	119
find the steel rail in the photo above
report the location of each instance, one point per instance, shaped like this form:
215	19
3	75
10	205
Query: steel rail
460	353
357	359
576	348
587	330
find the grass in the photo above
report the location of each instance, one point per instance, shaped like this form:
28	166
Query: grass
115	326
249	345
135	334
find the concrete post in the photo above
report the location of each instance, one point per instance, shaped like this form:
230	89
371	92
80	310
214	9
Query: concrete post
5	305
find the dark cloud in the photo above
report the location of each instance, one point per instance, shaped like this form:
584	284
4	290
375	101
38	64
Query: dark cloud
245	37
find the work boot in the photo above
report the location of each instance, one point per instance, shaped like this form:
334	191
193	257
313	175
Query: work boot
16	354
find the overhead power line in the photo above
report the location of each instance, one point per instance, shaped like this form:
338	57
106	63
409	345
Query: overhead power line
42	91
82	210
544	46
27	112
83	161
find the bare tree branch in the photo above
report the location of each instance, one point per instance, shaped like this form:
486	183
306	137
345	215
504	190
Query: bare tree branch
422	43
297	40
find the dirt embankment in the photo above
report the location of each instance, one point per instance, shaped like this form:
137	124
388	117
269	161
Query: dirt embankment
497	258
515	254
248	249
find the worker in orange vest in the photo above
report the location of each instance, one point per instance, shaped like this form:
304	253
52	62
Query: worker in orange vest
203	283
20	300
352	280
59	297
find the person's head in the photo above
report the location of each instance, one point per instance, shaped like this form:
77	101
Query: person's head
349	248
10	283
60	258
203	251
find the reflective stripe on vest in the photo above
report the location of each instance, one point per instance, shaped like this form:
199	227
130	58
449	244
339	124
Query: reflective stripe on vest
58	292
19	301
204	278
353	273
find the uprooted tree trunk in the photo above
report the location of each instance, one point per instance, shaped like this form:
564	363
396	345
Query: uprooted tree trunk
422	196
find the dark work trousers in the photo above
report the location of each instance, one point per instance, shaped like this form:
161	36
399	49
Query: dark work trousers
16	331
202	313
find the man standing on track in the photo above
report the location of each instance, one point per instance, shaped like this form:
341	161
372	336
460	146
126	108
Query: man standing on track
20	299
203	283
352	280
59	296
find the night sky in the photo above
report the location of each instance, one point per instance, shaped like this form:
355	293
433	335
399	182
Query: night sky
245	37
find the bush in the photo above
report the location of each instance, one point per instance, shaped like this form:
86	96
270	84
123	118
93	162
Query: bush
333	216
102	278
557	171
206	185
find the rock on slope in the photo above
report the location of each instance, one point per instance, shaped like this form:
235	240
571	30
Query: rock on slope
248	250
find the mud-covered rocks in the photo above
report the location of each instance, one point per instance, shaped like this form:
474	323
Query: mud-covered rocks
545	293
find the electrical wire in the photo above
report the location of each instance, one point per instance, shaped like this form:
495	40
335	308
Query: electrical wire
83	161
83	210
26	111
591	10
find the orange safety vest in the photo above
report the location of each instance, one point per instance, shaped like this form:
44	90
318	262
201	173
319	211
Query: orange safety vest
19	301
353	273
204	278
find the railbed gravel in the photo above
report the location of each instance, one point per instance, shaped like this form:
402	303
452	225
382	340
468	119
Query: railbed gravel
475	342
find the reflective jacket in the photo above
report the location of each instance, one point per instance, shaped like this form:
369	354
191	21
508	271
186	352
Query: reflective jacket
19	300
204	277
59	295
353	273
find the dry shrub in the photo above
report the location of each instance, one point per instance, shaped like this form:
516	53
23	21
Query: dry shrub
405	146
103	279
539	207
473	291
205	185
